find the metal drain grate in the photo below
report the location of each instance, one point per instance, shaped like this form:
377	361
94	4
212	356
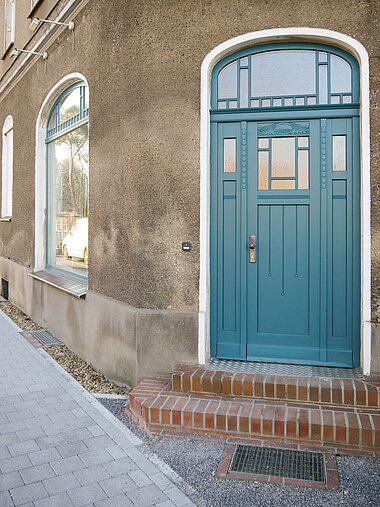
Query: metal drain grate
46	339
287	463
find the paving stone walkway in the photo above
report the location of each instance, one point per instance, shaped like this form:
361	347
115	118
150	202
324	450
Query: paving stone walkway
60	447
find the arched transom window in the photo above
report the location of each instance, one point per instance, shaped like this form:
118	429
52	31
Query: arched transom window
68	182
299	75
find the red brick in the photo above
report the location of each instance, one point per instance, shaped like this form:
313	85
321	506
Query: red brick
210	415
315	424
248	385
237	384
353	428
303	423
291	422
177	411
303	384
337	391
221	423
198	414
196	380
275	480
227	383
325	390
376	424
207	381
232	422
360	393
258	385
280	387
256	419
186	385
348	392
244	418
327	426
217	382
269	386
166	410
268	417
367	434
176	381
372	396
340	427
279	421
187	413
292	388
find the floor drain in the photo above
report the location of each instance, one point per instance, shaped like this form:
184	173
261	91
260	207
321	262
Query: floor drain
287	463
46	339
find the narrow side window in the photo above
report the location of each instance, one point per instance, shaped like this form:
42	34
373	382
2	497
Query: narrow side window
7	168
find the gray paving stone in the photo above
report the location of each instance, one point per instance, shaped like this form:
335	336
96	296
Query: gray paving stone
72	449
28	493
160	480
65	465
118	485
62	483
100	442
115	501
61	500
177	497
37	473
5	499
10	480
30	433
120	466
140	478
95	430
4	453
86	494
44	456
92	474
116	452
146	496
16	463
8	438
96	457
168	503
21	448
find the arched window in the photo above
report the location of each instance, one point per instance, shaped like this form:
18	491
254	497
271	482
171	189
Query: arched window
7	168
296	76
68	183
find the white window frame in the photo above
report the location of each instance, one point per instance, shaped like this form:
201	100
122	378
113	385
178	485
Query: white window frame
7	168
9	23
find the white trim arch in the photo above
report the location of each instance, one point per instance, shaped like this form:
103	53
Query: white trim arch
321	36
40	166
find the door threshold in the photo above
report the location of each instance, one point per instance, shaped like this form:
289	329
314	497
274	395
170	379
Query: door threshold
283	369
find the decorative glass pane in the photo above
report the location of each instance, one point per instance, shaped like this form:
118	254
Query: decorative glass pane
283	72
255	103
340	75
263	170
347	99
322	57
265	103
288	102
283	156
69	105
227	81
264	142
277	102
229	155
244	88
232	104
244	61
68	201
311	101
335	99
222	105
283	184
300	101
339	153
303	169
303	142
323	84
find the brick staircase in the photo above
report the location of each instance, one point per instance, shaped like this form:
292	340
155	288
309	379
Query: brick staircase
312	410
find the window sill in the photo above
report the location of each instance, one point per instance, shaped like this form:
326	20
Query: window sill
72	287
5	219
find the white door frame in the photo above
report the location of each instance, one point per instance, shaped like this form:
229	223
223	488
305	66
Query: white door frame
321	36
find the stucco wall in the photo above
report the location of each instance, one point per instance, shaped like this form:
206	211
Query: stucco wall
142	60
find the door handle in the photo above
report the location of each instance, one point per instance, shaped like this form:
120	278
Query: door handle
252	248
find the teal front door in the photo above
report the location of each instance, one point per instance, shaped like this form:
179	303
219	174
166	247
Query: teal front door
285	237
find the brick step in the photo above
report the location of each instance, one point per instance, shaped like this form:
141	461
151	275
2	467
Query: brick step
326	391
155	406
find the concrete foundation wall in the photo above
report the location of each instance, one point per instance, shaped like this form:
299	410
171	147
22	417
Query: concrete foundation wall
124	343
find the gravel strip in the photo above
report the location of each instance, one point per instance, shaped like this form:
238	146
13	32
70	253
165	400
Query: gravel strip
197	460
83	373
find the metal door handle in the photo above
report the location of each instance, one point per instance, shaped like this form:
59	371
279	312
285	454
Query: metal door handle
252	248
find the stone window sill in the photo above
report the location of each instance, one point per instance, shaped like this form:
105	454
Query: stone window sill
72	287
5	219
